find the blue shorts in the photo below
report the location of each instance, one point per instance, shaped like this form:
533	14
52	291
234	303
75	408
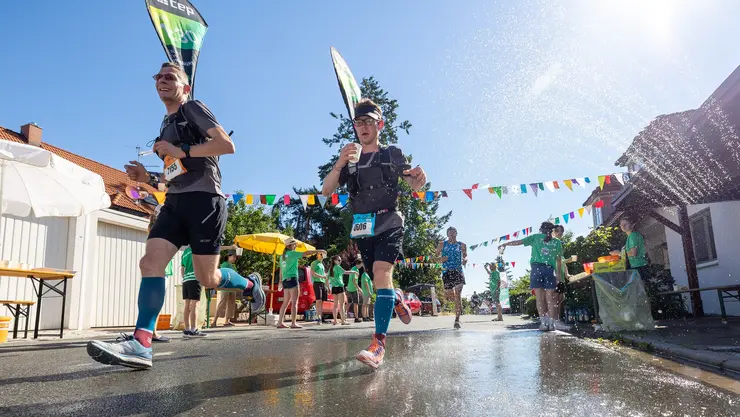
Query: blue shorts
542	276
290	283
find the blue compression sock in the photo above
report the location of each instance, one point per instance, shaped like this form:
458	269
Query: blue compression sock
232	279
151	299
384	303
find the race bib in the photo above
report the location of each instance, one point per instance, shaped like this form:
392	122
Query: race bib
363	225
172	168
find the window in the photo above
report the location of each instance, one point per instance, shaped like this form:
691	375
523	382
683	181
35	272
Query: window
598	220
301	274
703	236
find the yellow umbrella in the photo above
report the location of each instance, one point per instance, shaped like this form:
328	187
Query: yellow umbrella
270	243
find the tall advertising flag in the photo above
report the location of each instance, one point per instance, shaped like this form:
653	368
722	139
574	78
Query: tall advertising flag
347	84
181	30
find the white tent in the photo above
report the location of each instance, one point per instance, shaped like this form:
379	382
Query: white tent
36	181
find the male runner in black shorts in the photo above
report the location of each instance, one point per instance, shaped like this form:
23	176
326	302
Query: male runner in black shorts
190	143
377	224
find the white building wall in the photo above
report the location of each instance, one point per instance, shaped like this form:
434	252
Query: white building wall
726	269
109	271
103	248
38	242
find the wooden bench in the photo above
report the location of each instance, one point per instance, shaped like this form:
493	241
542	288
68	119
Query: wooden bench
18	308
723	292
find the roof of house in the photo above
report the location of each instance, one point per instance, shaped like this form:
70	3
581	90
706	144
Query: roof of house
114	179
598	193
690	157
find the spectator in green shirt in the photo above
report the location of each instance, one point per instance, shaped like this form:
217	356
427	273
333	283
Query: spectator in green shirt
634	249
353	287
546	261
320	286
227	299
191	290
289	281
337	290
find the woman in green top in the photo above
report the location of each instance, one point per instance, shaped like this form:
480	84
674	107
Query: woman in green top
337	290
320	287
546	261
353	289
227	299
289	281
367	293
634	248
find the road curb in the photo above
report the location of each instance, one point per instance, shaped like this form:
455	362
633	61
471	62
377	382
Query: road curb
704	357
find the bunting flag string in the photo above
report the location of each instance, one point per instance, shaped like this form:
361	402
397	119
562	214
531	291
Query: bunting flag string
566	217
340	200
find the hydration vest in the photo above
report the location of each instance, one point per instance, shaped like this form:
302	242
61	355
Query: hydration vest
373	187
186	132
189	133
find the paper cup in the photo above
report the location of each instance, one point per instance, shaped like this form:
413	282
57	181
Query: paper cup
356	156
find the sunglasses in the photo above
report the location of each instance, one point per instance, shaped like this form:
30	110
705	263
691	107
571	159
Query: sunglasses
365	122
167	77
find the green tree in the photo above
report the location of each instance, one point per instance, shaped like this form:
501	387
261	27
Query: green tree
244	220
599	242
423	224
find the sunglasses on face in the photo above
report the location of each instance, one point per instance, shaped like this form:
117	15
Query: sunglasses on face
365	122
167	77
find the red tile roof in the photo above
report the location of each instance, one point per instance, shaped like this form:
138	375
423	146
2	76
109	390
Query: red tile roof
115	180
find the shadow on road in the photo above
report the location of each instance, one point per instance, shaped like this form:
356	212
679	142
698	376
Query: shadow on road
171	401
47	346
83	374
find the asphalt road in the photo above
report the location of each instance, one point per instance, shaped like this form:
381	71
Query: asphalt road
484	369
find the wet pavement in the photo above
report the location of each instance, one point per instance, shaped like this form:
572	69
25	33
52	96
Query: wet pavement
485	369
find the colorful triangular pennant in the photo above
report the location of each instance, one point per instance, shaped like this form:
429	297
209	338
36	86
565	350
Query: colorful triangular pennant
343	199
160	196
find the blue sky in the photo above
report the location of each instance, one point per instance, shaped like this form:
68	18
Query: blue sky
498	93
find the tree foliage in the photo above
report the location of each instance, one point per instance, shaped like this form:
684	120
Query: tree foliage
588	248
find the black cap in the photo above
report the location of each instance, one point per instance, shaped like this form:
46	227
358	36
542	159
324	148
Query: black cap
367	110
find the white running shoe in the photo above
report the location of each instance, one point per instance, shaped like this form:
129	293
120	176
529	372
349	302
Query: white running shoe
545	324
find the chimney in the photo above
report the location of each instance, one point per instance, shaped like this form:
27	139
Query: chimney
32	133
